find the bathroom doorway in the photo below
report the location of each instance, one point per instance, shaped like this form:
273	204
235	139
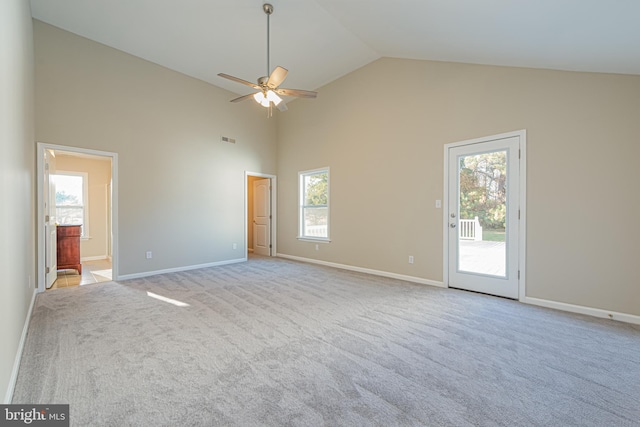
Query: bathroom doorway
77	216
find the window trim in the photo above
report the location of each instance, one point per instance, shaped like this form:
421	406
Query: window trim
85	200
301	207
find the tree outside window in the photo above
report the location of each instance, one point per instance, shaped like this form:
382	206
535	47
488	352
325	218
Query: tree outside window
314	204
483	191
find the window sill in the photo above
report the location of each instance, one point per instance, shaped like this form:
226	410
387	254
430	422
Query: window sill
314	239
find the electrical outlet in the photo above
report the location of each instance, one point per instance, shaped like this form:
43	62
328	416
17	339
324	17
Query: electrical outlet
410	259
235	246
149	255
317	247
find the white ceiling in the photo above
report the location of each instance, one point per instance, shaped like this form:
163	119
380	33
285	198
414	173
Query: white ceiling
322	40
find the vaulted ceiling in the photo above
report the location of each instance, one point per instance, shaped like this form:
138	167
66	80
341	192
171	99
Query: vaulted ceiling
322	40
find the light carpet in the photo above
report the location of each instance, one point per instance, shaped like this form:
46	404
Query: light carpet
273	342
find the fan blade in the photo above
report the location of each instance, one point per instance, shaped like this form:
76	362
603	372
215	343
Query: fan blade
242	98
277	77
296	92
282	107
235	79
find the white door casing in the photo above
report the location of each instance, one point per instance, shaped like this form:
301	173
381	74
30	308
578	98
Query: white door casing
262	217
50	228
486	266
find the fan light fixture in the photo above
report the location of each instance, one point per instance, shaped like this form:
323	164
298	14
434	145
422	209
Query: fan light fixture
264	100
267	87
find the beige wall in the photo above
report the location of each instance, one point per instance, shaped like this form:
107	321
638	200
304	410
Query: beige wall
382	129
98	176
181	190
17	212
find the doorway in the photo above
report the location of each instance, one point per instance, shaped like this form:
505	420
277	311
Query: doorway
484	215
85	203
260	214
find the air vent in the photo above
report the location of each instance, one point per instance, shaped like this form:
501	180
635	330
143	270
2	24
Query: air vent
227	139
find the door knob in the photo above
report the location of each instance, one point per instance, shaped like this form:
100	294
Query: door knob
452	225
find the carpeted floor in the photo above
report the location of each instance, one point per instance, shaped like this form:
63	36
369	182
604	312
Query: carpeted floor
273	342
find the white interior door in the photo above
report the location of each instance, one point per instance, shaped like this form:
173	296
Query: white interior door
262	217
50	231
483	215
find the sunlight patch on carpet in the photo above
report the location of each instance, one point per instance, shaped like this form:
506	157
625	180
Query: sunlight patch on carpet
169	300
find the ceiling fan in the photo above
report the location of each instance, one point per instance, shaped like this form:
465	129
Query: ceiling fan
268	86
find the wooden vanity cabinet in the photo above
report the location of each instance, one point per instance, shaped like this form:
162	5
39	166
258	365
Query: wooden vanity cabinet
69	247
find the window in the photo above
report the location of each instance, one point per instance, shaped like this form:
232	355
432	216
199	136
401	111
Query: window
71	199
313	217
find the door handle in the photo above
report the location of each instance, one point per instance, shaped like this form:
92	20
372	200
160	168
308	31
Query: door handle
452	225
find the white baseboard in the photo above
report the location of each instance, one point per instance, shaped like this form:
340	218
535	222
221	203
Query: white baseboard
590	311
8	397
94	258
178	269
366	270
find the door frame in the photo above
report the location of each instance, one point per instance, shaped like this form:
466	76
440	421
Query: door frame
274	210
522	225
40	149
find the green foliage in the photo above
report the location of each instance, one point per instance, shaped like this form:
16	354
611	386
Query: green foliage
316	200
483	189
316	189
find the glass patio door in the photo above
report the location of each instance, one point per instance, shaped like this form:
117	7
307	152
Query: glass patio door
482	215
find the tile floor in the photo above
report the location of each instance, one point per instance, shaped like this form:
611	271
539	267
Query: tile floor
92	272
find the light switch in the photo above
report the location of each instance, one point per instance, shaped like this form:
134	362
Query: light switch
438	204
